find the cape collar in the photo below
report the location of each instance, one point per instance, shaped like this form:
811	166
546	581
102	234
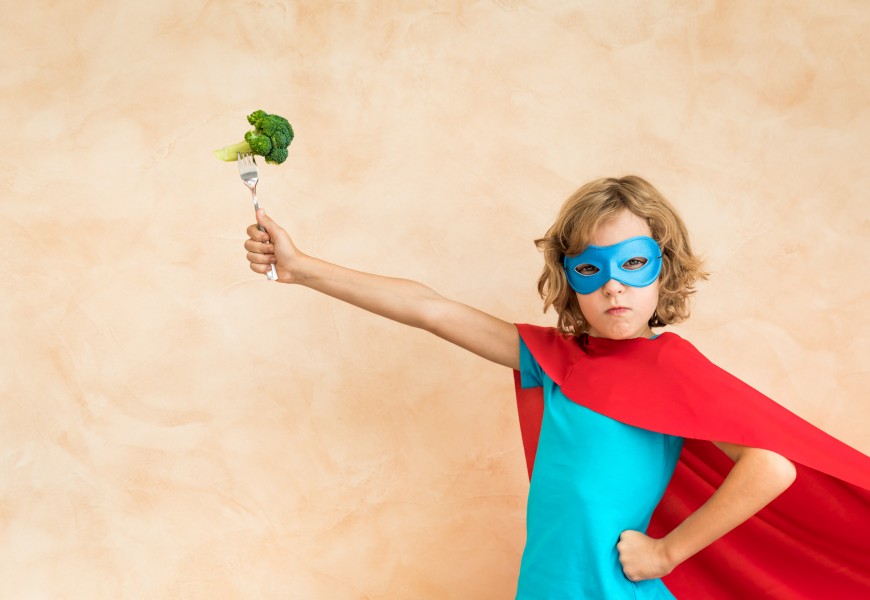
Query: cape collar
600	345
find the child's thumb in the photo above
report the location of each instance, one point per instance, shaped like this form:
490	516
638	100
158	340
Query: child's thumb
264	221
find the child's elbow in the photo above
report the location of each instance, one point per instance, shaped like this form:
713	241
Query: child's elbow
781	470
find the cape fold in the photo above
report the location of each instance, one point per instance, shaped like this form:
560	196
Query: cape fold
811	542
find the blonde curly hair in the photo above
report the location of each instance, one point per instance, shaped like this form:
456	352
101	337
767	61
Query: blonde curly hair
595	203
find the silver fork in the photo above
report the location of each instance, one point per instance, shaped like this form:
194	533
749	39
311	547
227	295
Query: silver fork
250	176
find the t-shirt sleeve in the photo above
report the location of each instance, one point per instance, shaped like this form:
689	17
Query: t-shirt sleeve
531	374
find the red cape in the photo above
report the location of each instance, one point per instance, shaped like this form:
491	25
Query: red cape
812	542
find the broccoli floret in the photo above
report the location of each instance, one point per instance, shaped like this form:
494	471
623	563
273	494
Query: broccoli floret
277	155
269	138
260	144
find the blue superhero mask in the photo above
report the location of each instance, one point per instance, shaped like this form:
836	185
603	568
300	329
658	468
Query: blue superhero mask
600	264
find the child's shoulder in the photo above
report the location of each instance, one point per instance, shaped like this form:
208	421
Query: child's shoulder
670	343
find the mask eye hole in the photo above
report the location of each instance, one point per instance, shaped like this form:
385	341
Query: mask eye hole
586	269
633	264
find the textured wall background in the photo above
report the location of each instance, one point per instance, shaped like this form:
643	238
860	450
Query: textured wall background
174	426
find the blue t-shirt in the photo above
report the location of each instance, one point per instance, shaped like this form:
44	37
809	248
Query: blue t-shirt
594	477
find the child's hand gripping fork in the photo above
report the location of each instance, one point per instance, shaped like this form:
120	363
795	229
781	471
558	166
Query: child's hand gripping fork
249	174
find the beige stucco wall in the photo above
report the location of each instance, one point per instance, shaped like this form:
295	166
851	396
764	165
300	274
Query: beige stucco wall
174	426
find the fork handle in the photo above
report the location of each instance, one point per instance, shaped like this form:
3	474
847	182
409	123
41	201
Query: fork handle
272	275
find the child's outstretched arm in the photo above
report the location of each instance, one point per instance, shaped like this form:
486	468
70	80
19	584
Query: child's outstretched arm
758	476
401	300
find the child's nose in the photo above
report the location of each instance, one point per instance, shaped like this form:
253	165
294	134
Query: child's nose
613	287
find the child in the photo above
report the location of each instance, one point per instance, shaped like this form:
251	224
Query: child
605	405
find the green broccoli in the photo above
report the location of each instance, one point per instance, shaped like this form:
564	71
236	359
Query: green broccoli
269	138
